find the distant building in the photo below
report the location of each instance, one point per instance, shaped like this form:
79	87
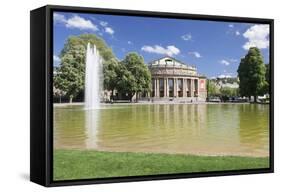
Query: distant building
174	80
229	82
234	85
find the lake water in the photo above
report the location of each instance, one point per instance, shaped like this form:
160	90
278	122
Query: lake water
201	129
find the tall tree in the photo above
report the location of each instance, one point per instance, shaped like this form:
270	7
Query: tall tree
110	72
251	73
267	78
212	89
134	63
125	81
70	75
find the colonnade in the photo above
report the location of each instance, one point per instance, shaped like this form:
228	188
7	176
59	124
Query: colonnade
175	87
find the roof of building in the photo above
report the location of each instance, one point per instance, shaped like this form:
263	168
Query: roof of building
168	61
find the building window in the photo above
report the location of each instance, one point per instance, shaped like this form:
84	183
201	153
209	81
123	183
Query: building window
168	61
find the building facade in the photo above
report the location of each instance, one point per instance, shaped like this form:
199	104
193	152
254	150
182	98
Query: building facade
173	80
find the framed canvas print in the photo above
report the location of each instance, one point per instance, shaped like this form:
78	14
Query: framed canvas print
122	95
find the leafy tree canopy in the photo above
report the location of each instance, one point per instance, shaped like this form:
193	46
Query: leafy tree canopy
136	76
212	89
69	76
229	92
251	73
84	39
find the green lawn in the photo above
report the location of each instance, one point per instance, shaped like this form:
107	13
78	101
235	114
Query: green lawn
76	164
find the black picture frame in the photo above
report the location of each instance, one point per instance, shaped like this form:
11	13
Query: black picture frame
41	108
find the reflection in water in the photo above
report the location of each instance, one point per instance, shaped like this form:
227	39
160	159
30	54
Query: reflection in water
92	124
255	135
208	129
69	127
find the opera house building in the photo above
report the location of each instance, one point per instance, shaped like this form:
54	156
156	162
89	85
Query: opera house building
173	80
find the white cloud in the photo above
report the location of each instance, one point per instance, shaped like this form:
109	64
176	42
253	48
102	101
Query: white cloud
80	23
75	22
109	30
103	23
186	37
59	18
233	30
169	50
224	62
227	62
173	49
129	42
195	54
56	60
224	76
106	27
257	36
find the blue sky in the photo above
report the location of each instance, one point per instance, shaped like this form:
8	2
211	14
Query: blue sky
215	48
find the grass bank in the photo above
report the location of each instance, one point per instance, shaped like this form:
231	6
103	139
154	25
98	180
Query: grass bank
76	164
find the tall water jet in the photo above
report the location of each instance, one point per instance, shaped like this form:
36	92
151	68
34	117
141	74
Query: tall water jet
93	78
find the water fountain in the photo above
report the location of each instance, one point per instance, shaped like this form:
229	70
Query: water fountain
93	77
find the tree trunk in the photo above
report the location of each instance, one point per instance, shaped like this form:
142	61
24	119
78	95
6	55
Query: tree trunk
70	98
111	97
131	95
255	98
137	97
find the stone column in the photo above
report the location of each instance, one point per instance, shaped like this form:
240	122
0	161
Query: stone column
192	87
154	81
177	87
174	79
184	84
198	87
187	87
156	87
165	88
